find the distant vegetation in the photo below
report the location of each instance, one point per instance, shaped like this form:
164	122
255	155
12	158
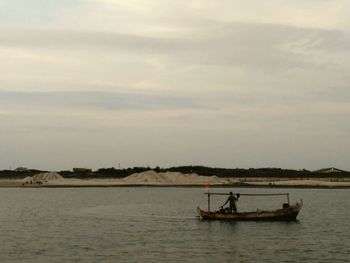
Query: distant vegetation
19	173
200	170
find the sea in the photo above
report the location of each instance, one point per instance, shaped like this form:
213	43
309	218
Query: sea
160	224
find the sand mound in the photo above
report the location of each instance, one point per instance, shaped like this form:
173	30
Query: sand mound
28	179
152	177
43	177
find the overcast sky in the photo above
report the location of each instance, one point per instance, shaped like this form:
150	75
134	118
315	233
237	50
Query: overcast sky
99	83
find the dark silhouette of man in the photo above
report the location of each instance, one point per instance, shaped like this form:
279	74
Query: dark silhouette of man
232	202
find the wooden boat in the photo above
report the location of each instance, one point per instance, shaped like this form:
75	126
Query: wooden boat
286	213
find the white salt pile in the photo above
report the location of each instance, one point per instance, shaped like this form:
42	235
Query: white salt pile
43	178
28	179
152	177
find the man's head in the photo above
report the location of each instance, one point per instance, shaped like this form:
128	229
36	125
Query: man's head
231	193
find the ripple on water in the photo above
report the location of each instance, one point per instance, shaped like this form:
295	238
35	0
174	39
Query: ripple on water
160	224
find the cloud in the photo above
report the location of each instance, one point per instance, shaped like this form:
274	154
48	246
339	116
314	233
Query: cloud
96	100
72	39
151	17
227	44
187	16
178	78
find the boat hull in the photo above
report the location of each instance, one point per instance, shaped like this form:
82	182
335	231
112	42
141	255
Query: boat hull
284	214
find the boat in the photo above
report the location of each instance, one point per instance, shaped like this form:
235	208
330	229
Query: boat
286	213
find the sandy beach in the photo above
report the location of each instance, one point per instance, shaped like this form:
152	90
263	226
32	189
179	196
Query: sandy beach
151	178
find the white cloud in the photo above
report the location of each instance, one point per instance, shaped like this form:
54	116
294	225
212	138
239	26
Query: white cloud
190	16
168	82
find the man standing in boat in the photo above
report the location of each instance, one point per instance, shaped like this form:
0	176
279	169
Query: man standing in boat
232	202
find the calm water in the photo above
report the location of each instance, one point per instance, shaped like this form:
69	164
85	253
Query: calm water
160	225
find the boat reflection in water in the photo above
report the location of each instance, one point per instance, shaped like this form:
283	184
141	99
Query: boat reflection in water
286	213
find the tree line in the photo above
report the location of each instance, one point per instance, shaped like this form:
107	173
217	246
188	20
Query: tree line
200	170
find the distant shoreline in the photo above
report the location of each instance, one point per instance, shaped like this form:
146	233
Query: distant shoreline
199	186
321	184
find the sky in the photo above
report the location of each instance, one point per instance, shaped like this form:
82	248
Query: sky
109	83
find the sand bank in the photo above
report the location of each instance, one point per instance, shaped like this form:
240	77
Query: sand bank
151	178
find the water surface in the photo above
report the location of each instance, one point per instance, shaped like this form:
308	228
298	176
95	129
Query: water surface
160	225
